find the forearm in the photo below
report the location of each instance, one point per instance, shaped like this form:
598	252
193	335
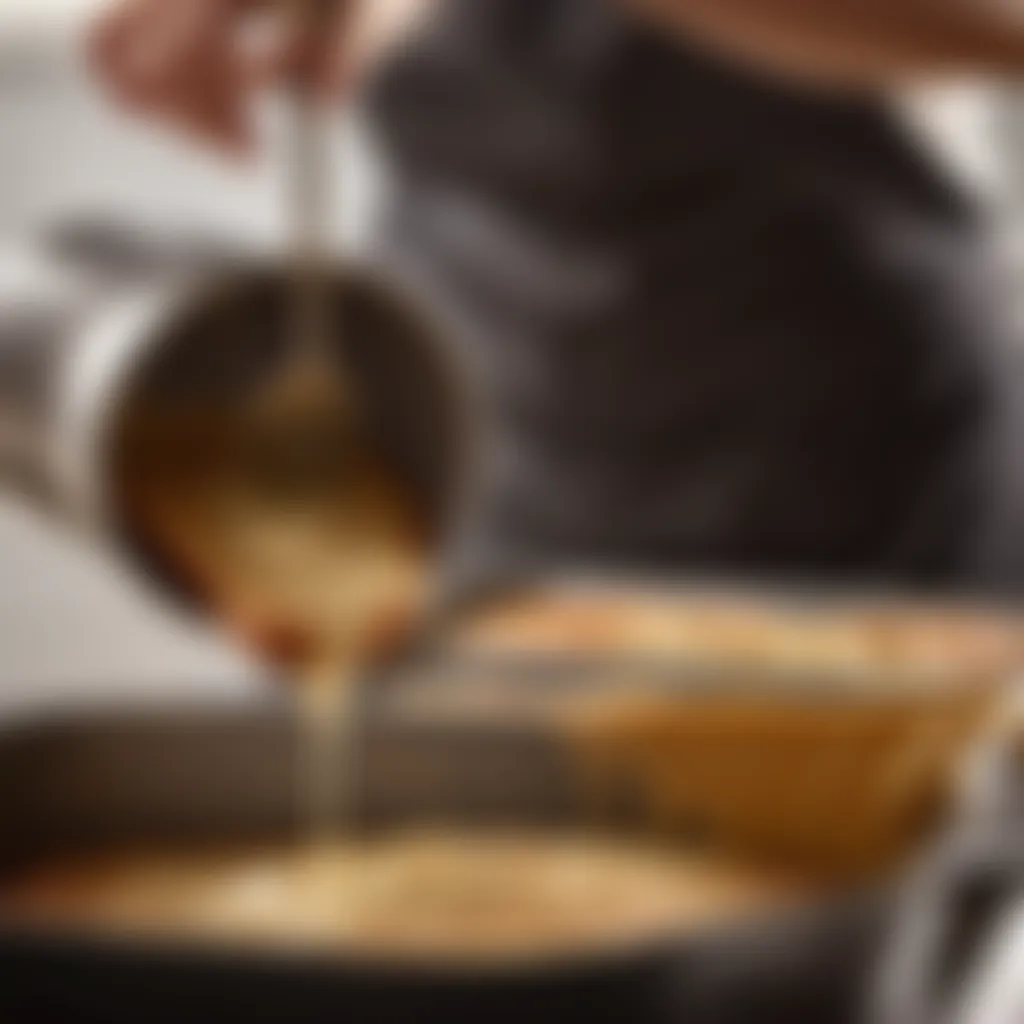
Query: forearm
860	42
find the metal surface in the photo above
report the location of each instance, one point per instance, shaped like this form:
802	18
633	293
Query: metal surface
138	314
209	774
206	772
953	955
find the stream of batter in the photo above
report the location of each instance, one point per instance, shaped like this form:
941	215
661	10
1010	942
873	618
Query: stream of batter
319	574
322	576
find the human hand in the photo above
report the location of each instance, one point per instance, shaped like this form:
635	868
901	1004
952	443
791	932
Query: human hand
197	64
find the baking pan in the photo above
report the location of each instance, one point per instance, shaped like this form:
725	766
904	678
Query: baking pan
835	721
69	782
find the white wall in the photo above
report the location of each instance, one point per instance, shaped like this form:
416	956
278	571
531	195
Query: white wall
67	153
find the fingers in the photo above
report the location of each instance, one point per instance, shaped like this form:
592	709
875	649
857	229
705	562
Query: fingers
192	62
363	34
333	64
312	45
181	62
110	45
203	82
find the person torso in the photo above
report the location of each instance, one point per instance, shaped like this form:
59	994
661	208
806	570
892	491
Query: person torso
722	321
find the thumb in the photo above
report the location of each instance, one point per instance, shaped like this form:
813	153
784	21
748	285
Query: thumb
337	62
362	34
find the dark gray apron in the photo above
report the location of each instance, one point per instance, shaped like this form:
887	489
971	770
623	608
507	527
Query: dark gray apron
722	324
